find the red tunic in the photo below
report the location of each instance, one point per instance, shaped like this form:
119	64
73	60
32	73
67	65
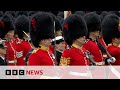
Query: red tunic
115	52
74	56
23	47
41	57
94	49
11	51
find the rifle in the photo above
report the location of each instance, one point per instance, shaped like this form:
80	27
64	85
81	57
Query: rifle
90	57
104	50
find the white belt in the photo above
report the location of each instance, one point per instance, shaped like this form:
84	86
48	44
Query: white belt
100	63
12	61
78	74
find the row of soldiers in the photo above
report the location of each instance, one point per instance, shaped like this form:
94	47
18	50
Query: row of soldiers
70	39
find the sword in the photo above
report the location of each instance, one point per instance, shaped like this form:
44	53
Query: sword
25	33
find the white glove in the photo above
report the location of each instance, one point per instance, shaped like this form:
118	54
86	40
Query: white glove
111	60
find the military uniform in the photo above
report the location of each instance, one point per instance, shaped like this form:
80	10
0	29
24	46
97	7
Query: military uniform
11	52
41	56
41	27
94	49
74	56
23	46
110	31
115	52
6	26
94	25
74	28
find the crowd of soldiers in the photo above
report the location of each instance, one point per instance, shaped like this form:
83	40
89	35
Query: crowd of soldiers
63	38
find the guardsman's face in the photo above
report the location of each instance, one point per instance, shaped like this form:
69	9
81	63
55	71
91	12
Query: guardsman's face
96	33
47	42
10	34
117	40
60	46
58	33
3	51
82	40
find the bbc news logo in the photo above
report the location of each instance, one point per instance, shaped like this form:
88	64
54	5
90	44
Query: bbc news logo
15	72
23	72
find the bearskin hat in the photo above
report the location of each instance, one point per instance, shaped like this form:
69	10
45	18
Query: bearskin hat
32	12
57	22
57	25
41	27
21	13
115	12
61	20
11	12
21	25
80	13
110	28
54	12
6	25
1	13
10	15
93	22
74	27
61	14
103	14
99	12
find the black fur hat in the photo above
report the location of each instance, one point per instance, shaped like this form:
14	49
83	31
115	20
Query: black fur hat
74	27
80	13
6	25
93	22
11	12
21	25
21	13
57	22
61	14
110	28
1	13
32	12
41	27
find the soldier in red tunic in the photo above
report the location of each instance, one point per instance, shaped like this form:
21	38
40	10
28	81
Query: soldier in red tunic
94	28
74	32
41	33
23	45
111	35
7	30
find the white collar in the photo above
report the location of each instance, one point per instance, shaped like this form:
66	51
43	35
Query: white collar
2	57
